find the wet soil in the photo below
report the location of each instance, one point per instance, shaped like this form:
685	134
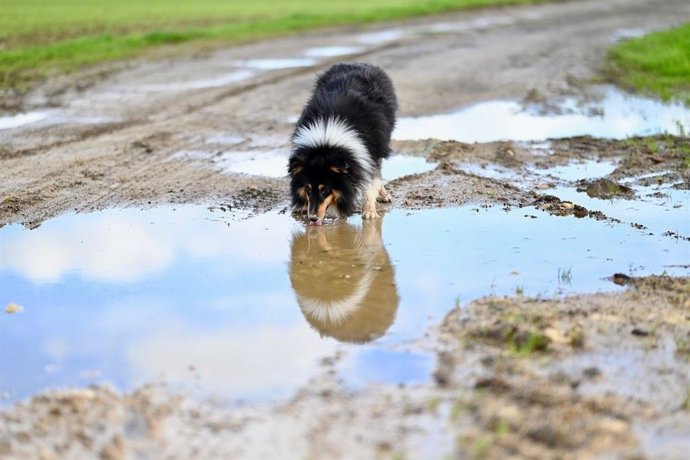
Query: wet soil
577	377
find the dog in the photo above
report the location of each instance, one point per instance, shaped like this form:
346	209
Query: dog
339	142
344	281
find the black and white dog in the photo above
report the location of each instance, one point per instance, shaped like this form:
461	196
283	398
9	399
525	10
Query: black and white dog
340	141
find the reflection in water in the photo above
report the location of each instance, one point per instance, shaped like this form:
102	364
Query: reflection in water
617	115
201	299
344	281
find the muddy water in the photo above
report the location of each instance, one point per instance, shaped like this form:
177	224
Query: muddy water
273	162
616	116
247	307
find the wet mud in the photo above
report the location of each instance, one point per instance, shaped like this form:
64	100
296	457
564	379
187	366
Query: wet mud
525	293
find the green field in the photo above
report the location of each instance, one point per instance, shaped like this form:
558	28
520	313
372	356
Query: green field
38	37
657	63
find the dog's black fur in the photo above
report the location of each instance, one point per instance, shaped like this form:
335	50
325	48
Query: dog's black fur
361	97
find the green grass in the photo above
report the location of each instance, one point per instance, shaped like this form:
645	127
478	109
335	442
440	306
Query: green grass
656	63
39	37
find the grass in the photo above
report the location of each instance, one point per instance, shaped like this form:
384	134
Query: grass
38	37
525	345
565	276
656	63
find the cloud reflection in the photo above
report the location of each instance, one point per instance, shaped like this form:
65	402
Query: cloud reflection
118	246
617	116
258	361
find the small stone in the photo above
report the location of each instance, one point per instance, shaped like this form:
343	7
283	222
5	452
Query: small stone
621	279
640	332
13	308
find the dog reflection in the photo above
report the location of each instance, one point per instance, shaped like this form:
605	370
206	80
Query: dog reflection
344	281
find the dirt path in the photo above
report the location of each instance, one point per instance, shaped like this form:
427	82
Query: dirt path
581	377
131	157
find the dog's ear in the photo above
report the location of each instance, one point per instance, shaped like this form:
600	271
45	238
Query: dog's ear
343	168
295	166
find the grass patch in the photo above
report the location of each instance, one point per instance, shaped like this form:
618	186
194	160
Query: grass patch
657	63
527	343
38	37
683	348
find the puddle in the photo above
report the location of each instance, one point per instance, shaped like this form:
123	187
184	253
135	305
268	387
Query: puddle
217	82
480	23
397	166
627	34
657	208
380	38
21	119
225	139
50	118
577	170
332	51
273	163
247	307
492	171
275	64
616	116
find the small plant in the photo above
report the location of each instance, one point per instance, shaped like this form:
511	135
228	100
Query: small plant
565	276
651	145
457	410
686	402
502	428
434	403
576	337
525	346
683	348
481	446
681	128
519	290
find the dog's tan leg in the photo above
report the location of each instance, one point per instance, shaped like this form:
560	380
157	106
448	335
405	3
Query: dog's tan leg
384	196
369	205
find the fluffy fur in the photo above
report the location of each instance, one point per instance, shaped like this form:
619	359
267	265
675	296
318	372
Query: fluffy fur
339	142
358	309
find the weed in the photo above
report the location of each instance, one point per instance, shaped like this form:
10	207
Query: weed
565	276
651	145
686	402
525	346
683	348
481	446
681	128
502	428
434	403
576	337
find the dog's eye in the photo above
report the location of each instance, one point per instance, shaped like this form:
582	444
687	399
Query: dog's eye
324	192
307	188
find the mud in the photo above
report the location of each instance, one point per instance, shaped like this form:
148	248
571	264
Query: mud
536	374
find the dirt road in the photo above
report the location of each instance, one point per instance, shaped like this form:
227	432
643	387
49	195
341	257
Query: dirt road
150	112
580	377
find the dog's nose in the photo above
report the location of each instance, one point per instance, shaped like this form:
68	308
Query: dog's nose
313	218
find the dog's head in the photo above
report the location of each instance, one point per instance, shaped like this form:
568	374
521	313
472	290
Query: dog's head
344	281
323	182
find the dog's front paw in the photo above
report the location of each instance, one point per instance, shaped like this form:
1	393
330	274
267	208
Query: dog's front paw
387	198
370	215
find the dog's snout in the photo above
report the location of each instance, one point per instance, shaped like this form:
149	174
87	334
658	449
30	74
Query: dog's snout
313	218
